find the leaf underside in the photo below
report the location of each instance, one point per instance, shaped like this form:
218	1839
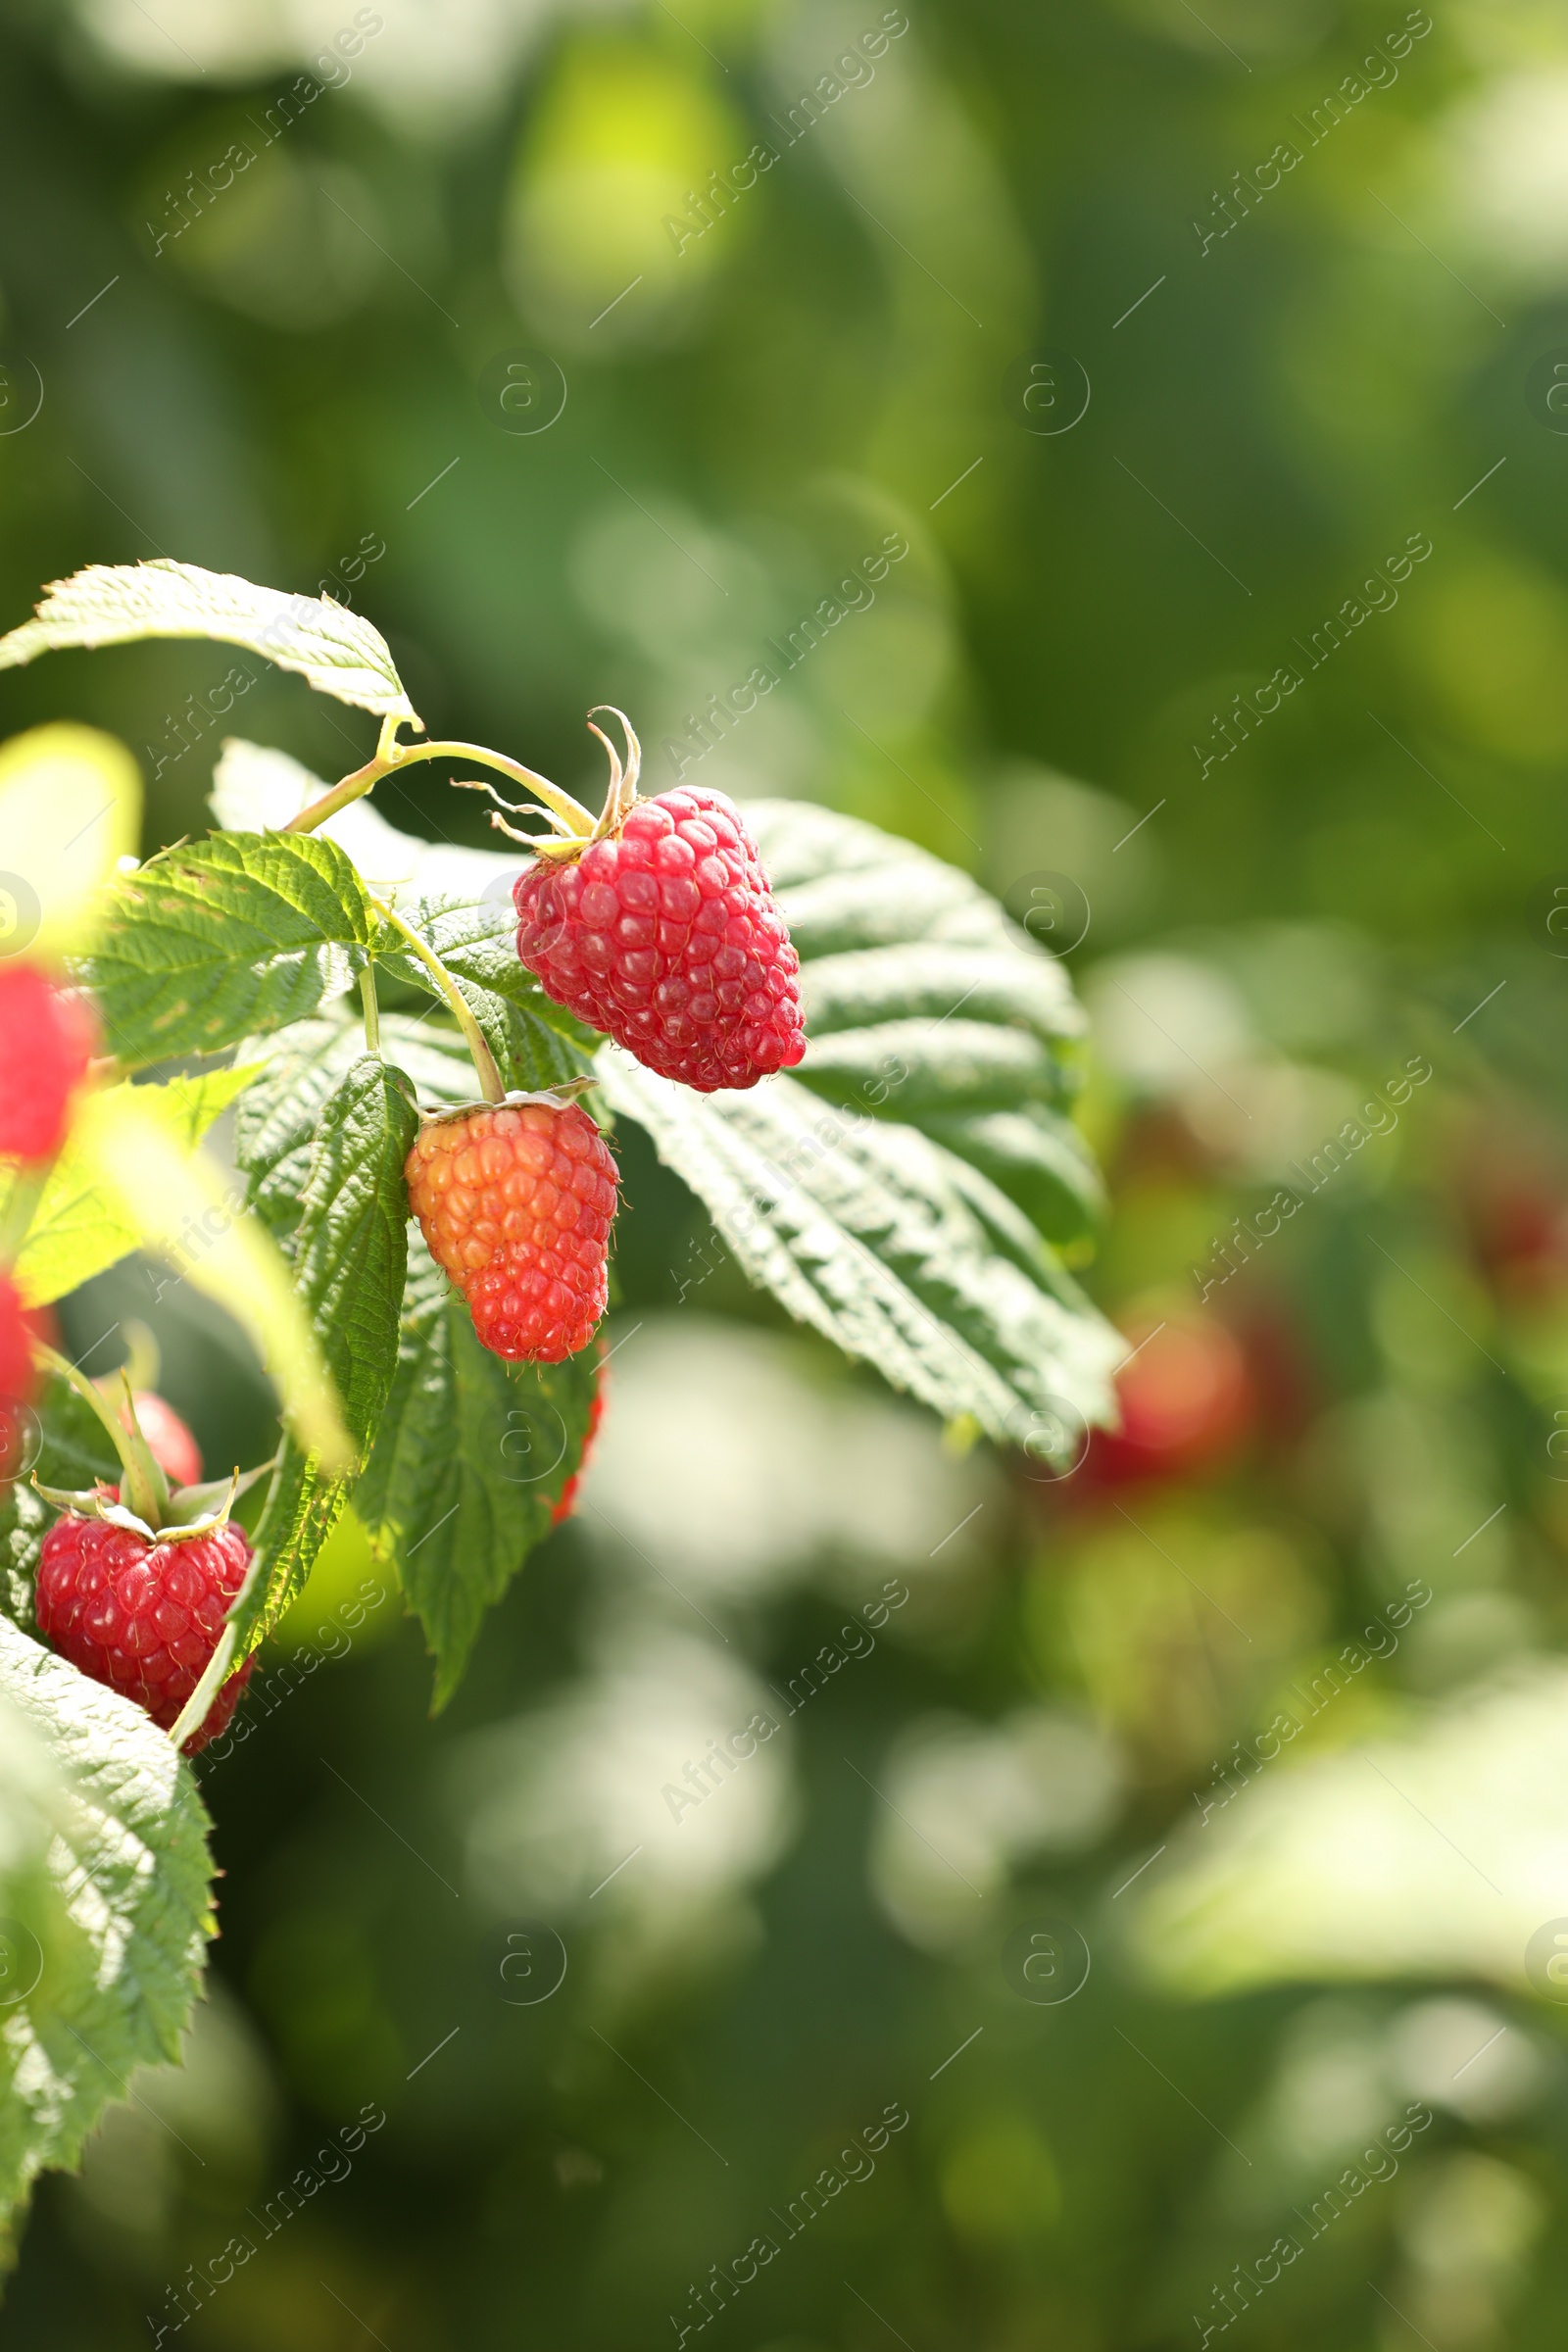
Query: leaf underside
894	1249
108	1907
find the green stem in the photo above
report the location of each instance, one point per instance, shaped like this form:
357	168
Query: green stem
573	814
390	754
484	1061
143	1489
372	1011
353	787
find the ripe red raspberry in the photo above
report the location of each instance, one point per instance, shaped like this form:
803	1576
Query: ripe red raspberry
46	1040
516	1203
666	935
143	1616
568	1501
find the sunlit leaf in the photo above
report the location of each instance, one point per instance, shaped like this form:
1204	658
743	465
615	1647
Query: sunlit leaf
69	808
277	1119
240	933
337	650
350	1262
900	1253
80	1225
183	1207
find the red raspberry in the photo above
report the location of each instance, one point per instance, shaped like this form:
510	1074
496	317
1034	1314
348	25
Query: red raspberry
46	1040
516	1203
143	1616
18	1379
568	1502
666	935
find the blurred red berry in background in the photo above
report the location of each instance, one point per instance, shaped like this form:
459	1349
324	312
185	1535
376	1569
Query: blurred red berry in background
46	1041
1187	1402
174	1448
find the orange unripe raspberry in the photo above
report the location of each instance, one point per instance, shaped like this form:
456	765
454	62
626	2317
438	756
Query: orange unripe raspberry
516	1203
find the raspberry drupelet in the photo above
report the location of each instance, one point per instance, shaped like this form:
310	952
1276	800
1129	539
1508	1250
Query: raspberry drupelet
141	1615
516	1204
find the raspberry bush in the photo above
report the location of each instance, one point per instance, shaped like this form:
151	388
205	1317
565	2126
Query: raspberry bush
858	1065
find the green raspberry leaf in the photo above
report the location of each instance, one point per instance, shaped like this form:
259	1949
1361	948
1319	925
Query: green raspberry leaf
898	1250
242	932
275	1123
926	1005
471	1459
350	1266
917	1221
105	1888
1037	1157
336	651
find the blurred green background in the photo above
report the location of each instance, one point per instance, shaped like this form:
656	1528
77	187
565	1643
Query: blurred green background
437	347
